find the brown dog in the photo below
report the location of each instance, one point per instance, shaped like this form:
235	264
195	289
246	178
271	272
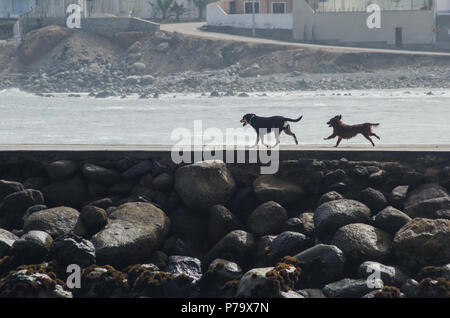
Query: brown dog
342	130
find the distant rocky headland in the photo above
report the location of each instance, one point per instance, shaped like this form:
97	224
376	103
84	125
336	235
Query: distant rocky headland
54	59
145	227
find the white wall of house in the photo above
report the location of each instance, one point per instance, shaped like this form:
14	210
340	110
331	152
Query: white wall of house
443	6
216	16
418	27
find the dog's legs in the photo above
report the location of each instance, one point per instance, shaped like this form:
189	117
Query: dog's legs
258	137
338	142
277	138
372	134
288	131
369	139
331	137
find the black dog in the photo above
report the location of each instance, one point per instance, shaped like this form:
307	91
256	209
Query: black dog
264	125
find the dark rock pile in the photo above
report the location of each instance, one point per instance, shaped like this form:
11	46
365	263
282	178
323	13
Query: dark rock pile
150	228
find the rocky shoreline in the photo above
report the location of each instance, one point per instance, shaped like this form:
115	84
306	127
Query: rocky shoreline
225	82
150	228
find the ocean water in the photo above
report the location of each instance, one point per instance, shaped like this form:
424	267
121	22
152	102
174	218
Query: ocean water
408	116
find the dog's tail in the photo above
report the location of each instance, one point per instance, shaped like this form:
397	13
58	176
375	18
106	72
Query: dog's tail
294	120
376	124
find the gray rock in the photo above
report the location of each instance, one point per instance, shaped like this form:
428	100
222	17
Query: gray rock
33	209
6	241
94	218
289	244
423	242
263	250
349	288
204	184
100	174
330	196
9	187
331	258
390	275
163	182
291	294
268	218
398	196
441	214
147	80
16	204
390	219
134	232
361	242
73	250
226	270
33	246
332	215
71	192
311	293
272	188
251	281
221	222
62	169
425	200
186	265
374	199
138	169
56	222
237	246
307	221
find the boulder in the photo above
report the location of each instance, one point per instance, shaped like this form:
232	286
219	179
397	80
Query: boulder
221	222
16	204
61	169
423	242
134	232
330	196
311	293
349	288
73	249
237	246
374	199
390	219
226	270
33	246
288	244
204	184
332	215
390	275
398	196
425	200
94	218
138	169
6	241
272	188
268	218
32	209
252	280
100	174
56	222
163	182
307	221
186	265
71	192
244	202
328	260
361	242
9	187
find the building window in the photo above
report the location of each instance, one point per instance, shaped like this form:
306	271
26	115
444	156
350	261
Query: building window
248	7
279	7
232	7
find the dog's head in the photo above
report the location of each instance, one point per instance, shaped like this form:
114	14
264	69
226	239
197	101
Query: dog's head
246	119
333	122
